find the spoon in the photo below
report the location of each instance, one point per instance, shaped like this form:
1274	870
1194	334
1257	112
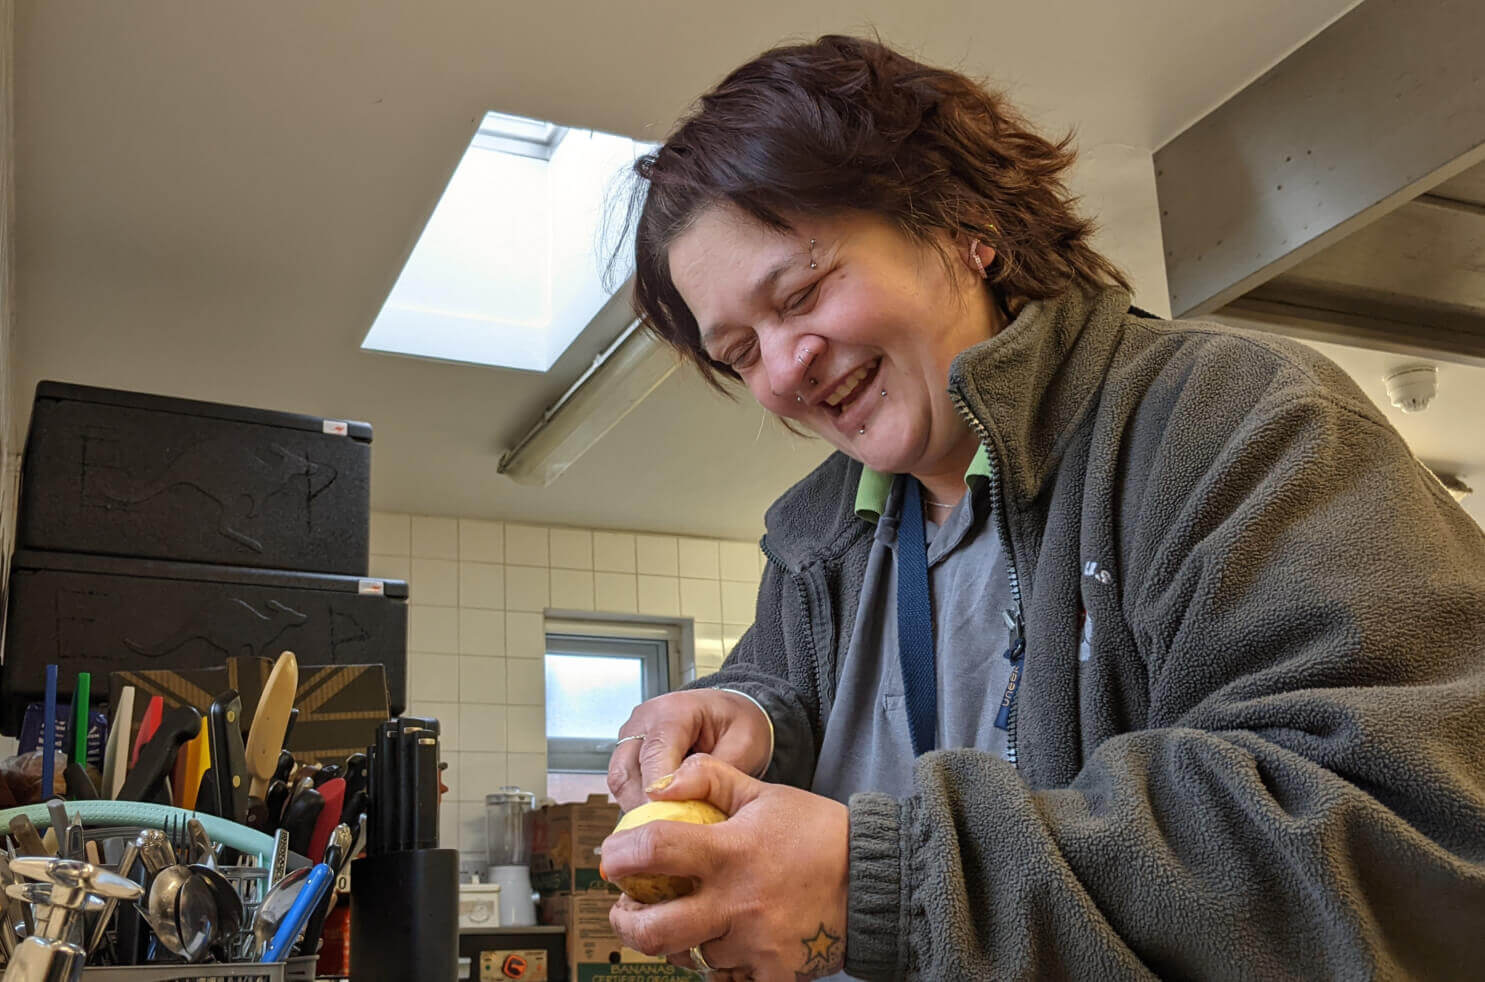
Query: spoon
182	912
227	900
276	904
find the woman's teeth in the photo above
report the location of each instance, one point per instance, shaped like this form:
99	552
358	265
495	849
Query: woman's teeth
849	385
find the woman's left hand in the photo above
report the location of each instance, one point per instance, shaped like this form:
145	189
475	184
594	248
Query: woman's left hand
770	900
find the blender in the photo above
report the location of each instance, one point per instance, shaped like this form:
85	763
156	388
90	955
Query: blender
508	850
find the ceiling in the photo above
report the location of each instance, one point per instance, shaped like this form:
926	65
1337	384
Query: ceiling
214	198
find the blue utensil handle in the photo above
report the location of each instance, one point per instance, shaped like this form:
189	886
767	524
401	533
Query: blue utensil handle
49	735
310	895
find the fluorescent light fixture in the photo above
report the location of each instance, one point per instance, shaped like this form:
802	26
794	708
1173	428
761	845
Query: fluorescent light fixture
618	380
508	270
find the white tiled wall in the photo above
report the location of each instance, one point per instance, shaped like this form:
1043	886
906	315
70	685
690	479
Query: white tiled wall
476	634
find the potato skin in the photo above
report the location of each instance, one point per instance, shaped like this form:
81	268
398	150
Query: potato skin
654	888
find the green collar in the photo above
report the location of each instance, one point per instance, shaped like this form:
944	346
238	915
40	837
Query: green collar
871	490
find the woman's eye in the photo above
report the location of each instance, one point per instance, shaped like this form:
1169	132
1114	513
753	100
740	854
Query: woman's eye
797	302
739	357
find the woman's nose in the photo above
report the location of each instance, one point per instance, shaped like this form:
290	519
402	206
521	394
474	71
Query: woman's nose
789	366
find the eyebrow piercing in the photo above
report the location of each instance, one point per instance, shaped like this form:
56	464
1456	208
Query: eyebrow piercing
812	253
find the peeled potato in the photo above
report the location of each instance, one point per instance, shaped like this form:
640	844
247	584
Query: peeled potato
652	888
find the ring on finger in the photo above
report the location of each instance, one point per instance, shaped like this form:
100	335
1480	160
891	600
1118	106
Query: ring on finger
637	736
700	960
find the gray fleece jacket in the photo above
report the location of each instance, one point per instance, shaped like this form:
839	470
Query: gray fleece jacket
1269	766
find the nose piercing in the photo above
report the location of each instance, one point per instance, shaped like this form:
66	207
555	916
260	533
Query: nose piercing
884	393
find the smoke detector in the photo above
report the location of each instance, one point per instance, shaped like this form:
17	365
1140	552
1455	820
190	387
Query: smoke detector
1412	389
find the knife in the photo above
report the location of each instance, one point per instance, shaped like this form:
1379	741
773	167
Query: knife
422	787
300	817
228	760
49	733
193	762
333	794
147	726
116	755
81	697
27	839
146	782
270	726
275	802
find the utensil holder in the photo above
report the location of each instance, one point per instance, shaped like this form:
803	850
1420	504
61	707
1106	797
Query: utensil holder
293	970
405	916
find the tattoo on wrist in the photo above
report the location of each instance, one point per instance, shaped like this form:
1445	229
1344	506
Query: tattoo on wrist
824	954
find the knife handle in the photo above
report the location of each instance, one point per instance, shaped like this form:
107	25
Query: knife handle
146	781
228	759
270	729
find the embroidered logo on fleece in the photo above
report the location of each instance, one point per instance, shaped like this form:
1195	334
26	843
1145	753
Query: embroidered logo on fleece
1096	572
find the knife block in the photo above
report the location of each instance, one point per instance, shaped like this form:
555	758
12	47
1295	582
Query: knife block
405	916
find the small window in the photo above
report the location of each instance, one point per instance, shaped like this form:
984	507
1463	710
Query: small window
593	684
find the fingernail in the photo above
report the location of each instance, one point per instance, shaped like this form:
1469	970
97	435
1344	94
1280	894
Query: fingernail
661	784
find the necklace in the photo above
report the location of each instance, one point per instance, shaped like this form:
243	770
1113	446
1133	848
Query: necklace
936	504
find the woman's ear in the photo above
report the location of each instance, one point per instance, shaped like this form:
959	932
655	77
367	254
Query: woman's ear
979	257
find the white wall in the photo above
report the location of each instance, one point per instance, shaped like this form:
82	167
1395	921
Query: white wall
9	443
476	638
1116	183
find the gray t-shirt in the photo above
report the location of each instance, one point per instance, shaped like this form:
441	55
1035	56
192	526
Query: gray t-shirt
866	746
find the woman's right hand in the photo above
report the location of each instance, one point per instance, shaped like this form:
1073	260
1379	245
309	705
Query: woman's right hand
724	724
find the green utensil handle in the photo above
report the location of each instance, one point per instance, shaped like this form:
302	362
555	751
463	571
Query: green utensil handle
80	718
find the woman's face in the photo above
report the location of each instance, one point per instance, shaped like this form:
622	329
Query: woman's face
856	348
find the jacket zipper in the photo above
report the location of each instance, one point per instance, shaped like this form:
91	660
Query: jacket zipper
1016	652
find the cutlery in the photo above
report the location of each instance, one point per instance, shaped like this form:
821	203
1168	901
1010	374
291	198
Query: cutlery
146	781
49	732
269	730
315	886
153	711
228	757
115	755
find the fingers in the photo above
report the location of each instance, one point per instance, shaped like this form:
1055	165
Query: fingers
705	778
671	848
624	780
668	928
722	723
665	745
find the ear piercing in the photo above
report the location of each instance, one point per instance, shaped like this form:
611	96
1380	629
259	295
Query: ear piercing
974	257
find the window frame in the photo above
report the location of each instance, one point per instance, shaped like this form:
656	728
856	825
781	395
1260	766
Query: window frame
665	645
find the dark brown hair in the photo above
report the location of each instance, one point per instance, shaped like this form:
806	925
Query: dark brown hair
848	124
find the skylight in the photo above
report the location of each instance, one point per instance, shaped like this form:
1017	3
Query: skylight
507	270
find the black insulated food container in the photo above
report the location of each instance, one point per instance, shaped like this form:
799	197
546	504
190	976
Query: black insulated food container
103	614
127	474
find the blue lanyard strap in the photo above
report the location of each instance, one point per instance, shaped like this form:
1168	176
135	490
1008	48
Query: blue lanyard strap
915	623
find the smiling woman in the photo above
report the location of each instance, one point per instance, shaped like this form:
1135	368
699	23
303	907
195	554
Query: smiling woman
1084	657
